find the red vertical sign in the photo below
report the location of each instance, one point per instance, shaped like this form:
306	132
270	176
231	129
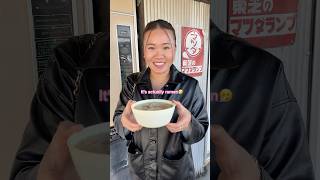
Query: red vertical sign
265	23
192	50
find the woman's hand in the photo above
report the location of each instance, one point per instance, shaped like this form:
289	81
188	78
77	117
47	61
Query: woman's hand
127	119
56	163
234	161
183	121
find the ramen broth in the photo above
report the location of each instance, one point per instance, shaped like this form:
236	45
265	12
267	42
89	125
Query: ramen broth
153	106
95	144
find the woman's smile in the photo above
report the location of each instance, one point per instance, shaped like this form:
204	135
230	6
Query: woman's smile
159	65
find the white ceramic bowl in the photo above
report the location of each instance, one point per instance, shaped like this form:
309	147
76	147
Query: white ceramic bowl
153	118
90	165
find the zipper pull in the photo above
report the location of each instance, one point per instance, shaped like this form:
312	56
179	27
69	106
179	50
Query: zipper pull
77	83
133	90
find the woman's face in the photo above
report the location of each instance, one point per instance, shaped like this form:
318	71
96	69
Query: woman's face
159	50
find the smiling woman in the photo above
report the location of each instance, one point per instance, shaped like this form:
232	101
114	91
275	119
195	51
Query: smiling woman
168	145
159	48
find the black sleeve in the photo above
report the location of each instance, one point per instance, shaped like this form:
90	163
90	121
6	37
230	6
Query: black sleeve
199	118
285	154
52	103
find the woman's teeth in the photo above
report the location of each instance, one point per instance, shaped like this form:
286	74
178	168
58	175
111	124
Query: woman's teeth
159	63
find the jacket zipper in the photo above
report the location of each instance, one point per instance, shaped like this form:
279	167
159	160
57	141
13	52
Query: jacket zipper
77	84
133	91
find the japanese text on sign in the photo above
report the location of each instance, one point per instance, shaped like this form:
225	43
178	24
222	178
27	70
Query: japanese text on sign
269	23
243	7
192	51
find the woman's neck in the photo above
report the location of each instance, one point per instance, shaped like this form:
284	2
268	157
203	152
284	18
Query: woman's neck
159	80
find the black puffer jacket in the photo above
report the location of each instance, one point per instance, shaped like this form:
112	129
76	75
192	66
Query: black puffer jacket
155	153
252	100
73	88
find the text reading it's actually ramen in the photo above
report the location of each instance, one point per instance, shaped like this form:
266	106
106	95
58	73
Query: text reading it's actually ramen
162	92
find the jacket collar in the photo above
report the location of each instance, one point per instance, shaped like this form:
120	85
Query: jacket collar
97	54
224	53
175	76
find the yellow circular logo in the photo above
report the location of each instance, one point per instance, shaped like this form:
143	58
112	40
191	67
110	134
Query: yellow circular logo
180	91
225	95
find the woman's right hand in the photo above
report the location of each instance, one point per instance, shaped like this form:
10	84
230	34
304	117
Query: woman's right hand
56	163
127	119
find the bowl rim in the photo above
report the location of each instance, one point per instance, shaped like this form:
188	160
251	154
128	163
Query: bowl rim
74	139
151	100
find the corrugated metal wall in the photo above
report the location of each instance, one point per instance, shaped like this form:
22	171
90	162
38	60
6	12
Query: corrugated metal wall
296	57
192	14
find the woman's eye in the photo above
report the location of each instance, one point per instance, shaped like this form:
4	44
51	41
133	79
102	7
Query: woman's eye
150	48
166	48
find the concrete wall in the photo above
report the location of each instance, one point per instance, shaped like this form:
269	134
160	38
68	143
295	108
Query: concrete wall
16	77
121	13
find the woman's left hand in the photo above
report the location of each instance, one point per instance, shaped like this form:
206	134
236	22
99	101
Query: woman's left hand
233	160
183	121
